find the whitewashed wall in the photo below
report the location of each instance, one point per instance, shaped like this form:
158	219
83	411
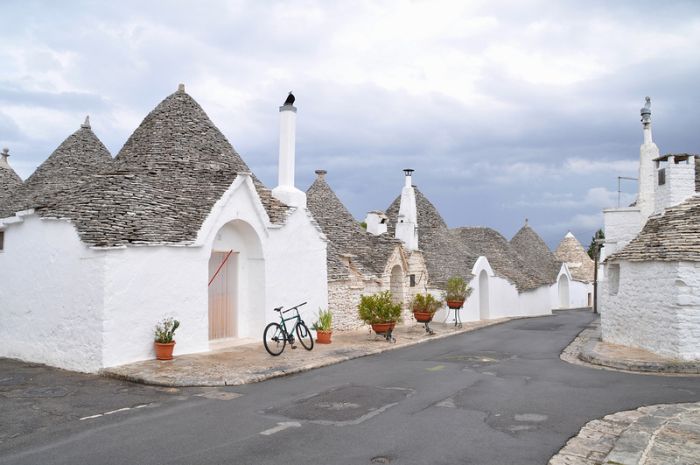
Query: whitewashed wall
51	296
655	308
578	292
621	225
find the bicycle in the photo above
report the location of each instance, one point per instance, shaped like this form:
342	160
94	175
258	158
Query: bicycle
276	335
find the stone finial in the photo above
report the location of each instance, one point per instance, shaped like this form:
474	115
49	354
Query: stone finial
321	173
181	87
646	111
3	157
526	222
86	123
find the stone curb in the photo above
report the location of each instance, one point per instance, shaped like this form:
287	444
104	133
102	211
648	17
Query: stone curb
583	350
240	378
590	354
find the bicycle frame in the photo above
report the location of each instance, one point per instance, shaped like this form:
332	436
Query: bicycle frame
289	333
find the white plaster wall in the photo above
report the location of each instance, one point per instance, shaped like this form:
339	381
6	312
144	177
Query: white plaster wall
295	269
656	308
621	225
578	294
645	198
51	298
688	300
144	285
535	302
679	185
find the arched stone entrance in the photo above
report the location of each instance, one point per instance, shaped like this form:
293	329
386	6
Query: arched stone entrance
563	291
236	283
484	295
396	284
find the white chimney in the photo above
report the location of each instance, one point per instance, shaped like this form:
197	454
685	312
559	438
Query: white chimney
675	180
376	222
648	152
407	222
285	190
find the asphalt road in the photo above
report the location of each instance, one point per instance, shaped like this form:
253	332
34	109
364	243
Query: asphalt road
496	396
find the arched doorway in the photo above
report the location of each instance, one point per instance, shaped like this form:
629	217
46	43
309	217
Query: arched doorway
236	283
483	295
563	292
396	284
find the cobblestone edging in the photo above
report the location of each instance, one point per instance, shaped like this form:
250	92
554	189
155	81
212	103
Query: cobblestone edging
588	350
652	435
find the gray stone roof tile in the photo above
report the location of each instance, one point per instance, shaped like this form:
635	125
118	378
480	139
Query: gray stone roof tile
369	253
571	252
10	182
537	255
163	183
78	157
445	255
673	235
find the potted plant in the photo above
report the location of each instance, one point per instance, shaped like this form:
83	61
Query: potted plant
456	292
424	307
379	311
164	343
323	326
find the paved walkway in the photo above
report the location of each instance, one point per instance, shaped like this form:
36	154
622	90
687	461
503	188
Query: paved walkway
650	435
250	363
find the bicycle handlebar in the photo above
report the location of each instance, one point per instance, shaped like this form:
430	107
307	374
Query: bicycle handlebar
293	308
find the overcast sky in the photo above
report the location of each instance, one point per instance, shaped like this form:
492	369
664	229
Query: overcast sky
506	110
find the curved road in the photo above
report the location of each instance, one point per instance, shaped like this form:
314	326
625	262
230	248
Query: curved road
496	396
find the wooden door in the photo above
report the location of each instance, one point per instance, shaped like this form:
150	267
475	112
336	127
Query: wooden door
222	294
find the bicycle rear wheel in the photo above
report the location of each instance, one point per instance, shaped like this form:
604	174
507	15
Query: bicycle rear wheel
274	339
304	336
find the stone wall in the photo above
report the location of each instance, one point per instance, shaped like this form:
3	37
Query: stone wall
656	307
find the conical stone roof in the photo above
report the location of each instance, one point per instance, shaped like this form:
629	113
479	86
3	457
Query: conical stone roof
445	255
10	182
163	183
505	261
78	157
369	253
571	252
537	255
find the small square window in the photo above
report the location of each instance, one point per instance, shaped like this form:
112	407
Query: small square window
412	280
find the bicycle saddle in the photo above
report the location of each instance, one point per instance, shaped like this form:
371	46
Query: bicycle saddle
278	309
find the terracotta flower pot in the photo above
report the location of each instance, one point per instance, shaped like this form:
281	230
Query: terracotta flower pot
164	350
455	304
423	317
323	337
382	328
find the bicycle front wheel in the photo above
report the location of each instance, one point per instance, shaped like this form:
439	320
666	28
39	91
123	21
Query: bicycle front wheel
274	339
304	336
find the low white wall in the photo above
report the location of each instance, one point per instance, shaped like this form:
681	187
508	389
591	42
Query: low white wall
621	225
51	296
535	302
655	307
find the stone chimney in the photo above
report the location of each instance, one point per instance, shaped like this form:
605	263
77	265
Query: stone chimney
376	222
285	190
407	222
648	152
675	180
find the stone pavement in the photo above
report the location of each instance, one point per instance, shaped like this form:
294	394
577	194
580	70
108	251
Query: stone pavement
250	363
653	435
650	435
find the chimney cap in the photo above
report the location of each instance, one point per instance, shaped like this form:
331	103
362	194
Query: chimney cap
408	171
5	152
181	87
321	173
